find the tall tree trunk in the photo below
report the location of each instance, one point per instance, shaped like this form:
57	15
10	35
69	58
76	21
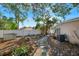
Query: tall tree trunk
17	19
46	30
43	30
18	24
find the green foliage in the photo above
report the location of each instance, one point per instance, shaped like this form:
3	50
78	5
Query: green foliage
41	13
10	26
42	17
61	9
18	10
47	23
2	24
75	4
21	51
7	23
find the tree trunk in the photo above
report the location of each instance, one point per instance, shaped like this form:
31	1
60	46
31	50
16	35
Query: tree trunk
18	25
43	29
46	29
17	21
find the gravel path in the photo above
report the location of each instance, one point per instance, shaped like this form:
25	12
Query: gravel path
43	47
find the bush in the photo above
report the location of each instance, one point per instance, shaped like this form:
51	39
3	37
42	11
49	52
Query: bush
21	51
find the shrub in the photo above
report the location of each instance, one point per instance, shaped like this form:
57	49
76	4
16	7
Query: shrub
21	51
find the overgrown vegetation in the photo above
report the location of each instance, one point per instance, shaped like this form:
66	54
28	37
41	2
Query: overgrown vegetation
7	24
23	50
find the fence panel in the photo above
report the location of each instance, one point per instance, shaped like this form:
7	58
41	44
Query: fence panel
19	32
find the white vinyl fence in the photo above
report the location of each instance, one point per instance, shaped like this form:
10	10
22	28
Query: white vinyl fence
19	32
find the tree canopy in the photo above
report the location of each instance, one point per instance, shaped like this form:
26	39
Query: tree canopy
18	10
41	13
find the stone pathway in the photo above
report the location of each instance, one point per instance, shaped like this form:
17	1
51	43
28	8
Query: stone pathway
43	46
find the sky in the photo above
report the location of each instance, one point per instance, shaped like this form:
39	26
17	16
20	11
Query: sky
29	22
74	13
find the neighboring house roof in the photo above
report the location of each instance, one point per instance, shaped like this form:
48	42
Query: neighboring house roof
29	29
26	28
71	20
68	21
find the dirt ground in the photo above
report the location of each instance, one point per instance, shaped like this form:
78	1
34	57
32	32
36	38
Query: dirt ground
7	46
63	48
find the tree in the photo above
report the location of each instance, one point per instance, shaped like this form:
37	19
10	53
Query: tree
1	24
61	9
76	5
7	23
41	16
10	24
18	10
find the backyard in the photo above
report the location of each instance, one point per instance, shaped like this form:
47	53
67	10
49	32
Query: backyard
29	47
39	29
